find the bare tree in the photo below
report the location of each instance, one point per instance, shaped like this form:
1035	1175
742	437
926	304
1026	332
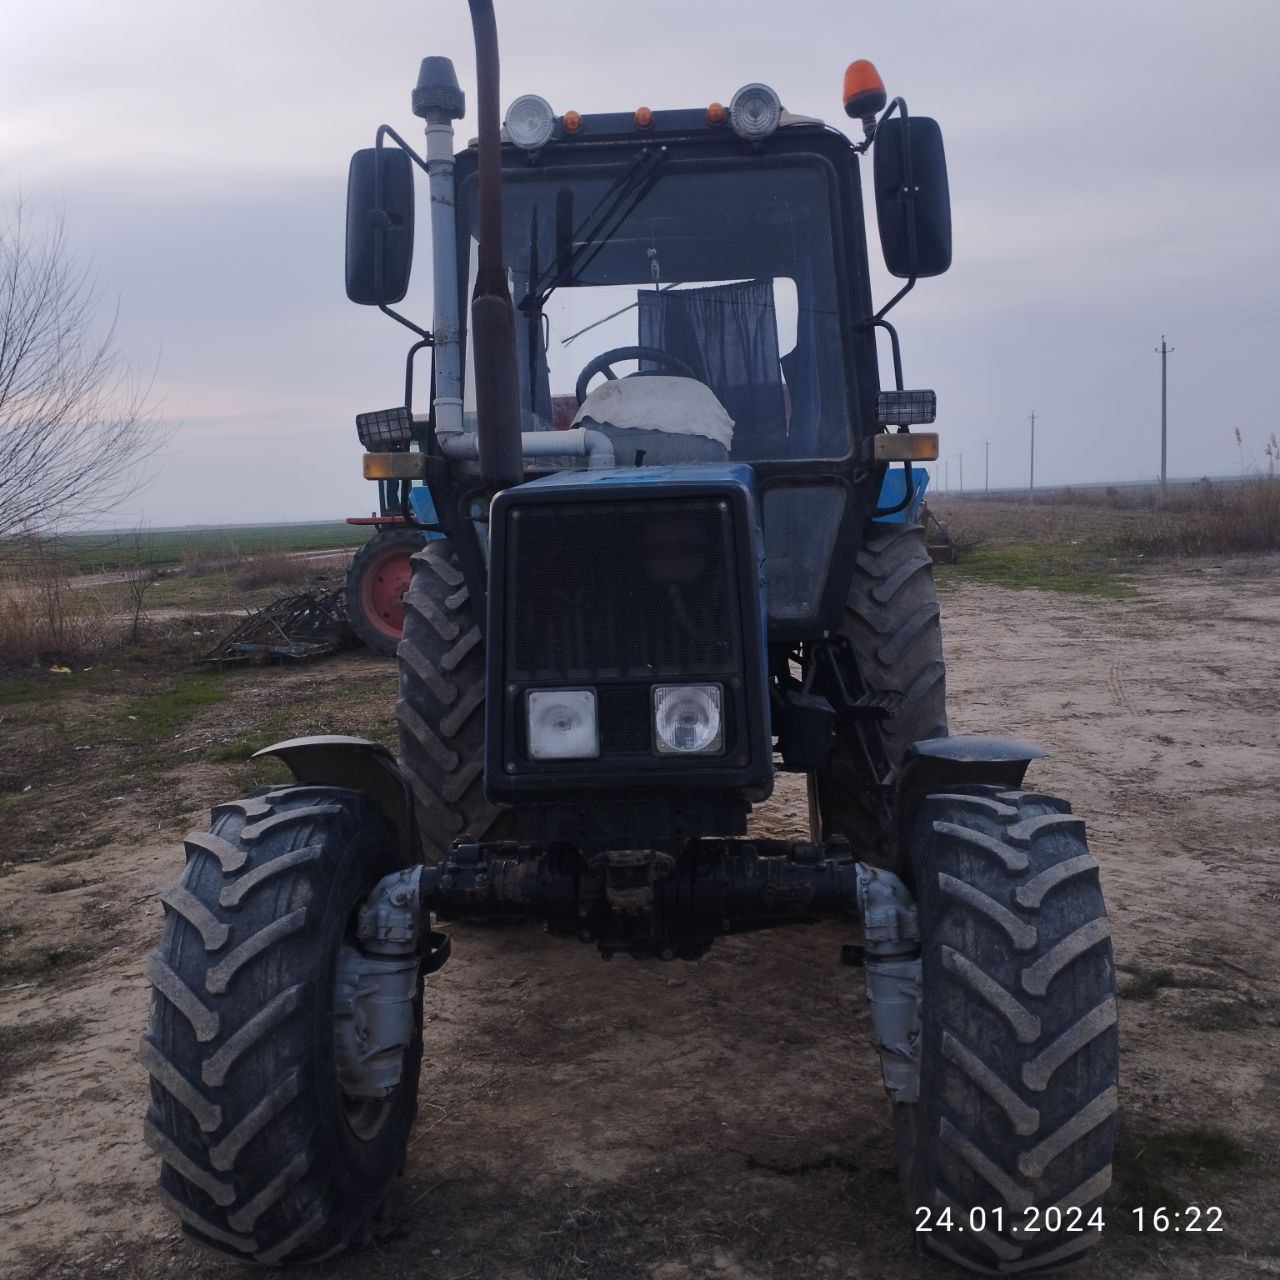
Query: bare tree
75	422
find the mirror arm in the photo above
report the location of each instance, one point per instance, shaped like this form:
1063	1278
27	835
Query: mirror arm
424	334
424	341
879	316
909	204
879	323
386	131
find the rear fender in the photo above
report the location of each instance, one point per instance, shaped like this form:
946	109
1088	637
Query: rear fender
334	760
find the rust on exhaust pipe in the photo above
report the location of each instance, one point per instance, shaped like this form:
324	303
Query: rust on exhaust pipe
493	330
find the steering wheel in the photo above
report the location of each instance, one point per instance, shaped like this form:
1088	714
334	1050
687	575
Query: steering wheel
606	358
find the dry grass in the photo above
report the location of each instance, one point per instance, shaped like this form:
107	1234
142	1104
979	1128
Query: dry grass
1099	532
273	569
44	621
41	618
1208	519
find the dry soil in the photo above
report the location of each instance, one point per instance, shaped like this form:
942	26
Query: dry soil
721	1118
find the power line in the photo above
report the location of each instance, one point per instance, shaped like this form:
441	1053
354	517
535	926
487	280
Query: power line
1238	326
1267	304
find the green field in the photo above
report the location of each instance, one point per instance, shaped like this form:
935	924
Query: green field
105	552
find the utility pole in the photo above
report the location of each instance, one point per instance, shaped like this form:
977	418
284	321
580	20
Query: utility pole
1163	349
946	476
962	473
1031	488
986	475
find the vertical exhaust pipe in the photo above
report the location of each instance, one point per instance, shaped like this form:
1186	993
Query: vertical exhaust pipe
493	328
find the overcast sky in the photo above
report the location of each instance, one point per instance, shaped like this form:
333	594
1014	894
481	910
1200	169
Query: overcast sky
1113	167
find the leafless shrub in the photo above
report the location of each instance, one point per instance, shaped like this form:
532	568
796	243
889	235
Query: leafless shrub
41	618
75	423
138	578
964	537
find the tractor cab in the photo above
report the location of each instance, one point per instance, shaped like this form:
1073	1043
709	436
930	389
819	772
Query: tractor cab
714	271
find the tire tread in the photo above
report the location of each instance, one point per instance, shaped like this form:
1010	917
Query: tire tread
1018	1092
235	1114
440	709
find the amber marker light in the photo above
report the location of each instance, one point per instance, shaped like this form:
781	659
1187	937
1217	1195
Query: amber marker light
643	117
394	466
572	121
716	113
864	94
919	446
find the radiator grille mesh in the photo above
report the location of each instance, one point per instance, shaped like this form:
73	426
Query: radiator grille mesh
624	590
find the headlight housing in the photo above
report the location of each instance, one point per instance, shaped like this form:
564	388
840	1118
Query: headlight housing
385	428
755	112
688	719
562	724
530	122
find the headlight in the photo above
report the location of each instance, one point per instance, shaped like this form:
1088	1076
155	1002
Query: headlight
530	122
906	408
755	112
385	428
562	724
687	719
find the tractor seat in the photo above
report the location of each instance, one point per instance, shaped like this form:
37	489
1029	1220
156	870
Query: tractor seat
673	420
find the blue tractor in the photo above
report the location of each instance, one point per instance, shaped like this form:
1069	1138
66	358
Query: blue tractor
653	592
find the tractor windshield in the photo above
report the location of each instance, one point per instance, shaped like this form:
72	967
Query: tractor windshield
725	276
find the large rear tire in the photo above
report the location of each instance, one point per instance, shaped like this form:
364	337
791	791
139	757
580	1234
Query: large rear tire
893	629
377	579
1005	1158
441	705
264	1156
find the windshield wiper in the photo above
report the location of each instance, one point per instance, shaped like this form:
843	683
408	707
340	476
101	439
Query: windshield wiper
610	211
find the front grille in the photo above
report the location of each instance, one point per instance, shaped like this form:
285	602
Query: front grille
625	590
625	719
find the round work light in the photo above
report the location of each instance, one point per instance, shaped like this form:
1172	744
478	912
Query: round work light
530	122
755	112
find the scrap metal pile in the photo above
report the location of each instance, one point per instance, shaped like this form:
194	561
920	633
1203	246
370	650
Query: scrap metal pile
292	628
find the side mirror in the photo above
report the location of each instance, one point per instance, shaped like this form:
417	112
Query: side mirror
379	226
915	223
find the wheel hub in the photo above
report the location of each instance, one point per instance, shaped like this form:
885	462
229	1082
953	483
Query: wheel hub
383	590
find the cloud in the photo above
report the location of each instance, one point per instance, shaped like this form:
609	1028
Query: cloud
1107	171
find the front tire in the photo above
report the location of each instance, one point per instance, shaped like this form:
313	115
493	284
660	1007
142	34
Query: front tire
1014	1130
892	627
263	1155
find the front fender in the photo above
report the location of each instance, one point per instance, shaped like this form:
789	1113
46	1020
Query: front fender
335	760
966	758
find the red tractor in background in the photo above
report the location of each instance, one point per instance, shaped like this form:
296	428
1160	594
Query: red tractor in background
377	578
380	572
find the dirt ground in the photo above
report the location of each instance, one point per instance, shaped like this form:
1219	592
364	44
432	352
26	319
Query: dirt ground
721	1118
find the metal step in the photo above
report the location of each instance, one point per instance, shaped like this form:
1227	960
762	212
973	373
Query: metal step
878	706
